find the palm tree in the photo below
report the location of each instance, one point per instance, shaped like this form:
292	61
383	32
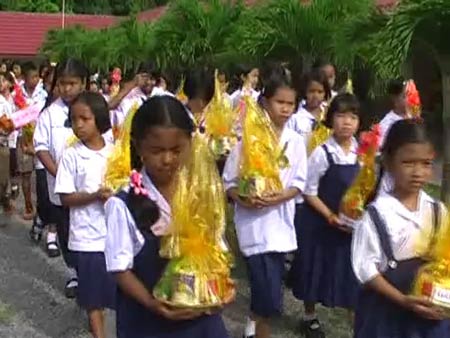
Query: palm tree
194	32
423	23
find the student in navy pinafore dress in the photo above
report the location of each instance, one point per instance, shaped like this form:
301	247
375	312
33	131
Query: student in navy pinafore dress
139	216
385	254
321	271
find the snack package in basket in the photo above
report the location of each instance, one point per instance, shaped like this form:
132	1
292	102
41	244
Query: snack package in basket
354	201
198	272
433	279
118	167
262	157
219	122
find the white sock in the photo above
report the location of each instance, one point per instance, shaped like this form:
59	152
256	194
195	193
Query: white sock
51	237
250	328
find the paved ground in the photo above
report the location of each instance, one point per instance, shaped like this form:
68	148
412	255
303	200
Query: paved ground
32	303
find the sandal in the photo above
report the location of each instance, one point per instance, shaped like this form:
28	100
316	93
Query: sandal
35	232
53	249
71	288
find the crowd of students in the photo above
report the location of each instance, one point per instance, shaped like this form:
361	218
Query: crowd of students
110	240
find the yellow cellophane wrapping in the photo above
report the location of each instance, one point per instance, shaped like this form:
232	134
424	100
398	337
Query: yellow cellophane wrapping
262	157
433	279
118	166
319	135
198	273
27	136
180	95
219	122
354	201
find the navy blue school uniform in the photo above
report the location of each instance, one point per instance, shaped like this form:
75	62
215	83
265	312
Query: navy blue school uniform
128	248
376	316
322	271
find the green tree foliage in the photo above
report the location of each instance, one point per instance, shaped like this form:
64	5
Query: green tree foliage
50	6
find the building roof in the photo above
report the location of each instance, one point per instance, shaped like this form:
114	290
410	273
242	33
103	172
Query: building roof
23	33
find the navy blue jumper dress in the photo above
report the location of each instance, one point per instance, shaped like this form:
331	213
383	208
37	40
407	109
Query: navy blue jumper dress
322	270
136	321
378	317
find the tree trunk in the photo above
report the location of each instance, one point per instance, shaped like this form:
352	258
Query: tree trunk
445	72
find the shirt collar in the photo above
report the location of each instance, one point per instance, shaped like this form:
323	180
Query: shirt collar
87	153
302	111
155	195
334	147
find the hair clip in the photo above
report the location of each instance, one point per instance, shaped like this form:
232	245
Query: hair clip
136	184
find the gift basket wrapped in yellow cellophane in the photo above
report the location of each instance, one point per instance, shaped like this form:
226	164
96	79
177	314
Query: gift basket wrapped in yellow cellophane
118	166
433	279
320	134
262	157
354	201
198	272
219	120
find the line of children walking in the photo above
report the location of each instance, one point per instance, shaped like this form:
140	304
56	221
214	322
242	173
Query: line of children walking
111	242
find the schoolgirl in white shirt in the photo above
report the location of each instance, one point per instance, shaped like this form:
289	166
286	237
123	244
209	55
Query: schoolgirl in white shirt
51	137
139	216
385	253
79	183
321	271
247	79
265	226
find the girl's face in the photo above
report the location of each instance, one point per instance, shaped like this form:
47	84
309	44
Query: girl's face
148	83
93	87
315	95
69	87
3	68
330	73
252	78
400	103
105	86
345	124
411	167
17	70
281	106
5	85
83	122
162	151
32	79
162	83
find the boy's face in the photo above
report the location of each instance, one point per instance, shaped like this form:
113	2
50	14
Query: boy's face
32	79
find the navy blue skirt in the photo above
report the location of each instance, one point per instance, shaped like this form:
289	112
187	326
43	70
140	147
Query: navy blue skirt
322	271
265	273
96	287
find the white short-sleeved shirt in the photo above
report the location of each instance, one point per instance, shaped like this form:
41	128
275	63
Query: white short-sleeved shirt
82	170
7	108
124	240
302	122
386	123
318	162
236	96
269	229
158	91
51	134
404	227
135	96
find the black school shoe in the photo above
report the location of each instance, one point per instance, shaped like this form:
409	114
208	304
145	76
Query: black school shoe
311	329
35	231
71	288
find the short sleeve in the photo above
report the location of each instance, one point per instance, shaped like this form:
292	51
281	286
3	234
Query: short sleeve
300	167
121	236
231	169
66	174
367	254
317	167
41	137
291	123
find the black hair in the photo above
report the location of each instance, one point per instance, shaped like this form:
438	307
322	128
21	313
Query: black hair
199	83
72	67
401	133
8	76
320	63
165	77
240	70
395	87
404	132
43	66
99	109
342	103
161	111
314	76
28	67
149	68
274	77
